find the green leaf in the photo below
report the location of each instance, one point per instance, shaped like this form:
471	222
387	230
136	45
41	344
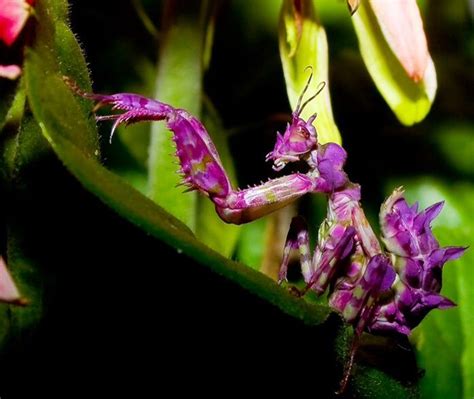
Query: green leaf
26	148
450	371
141	211
455	142
303	43
55	53
23	146
369	380
9	132
7	95
409	101
374	383
136	137
179	83
29	280
251	245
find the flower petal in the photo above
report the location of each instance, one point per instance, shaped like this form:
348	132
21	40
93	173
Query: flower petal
409	99
13	16
11	72
8	291
402	27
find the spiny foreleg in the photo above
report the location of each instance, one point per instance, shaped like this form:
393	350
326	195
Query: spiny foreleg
201	166
136	108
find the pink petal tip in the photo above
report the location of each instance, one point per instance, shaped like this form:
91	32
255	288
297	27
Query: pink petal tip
8	291
11	72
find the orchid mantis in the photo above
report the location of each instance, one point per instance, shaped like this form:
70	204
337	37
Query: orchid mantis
378	289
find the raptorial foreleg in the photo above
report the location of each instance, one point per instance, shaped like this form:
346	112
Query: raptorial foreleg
201	166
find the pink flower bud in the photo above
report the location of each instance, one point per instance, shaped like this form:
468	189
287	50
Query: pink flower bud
13	16
11	72
8	291
402	26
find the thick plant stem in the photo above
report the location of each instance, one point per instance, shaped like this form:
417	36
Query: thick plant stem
179	82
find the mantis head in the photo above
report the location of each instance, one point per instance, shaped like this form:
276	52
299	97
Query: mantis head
299	138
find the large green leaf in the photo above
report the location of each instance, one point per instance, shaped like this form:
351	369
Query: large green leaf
30	147
53	55
410	101
24	148
449	372
141	211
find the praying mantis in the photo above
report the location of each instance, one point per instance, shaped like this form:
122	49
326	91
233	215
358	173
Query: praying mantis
380	288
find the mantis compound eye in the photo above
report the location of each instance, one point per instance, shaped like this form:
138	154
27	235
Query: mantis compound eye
300	134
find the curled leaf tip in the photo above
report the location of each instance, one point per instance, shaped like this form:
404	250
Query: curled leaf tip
299	52
353	5
298	19
293	24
